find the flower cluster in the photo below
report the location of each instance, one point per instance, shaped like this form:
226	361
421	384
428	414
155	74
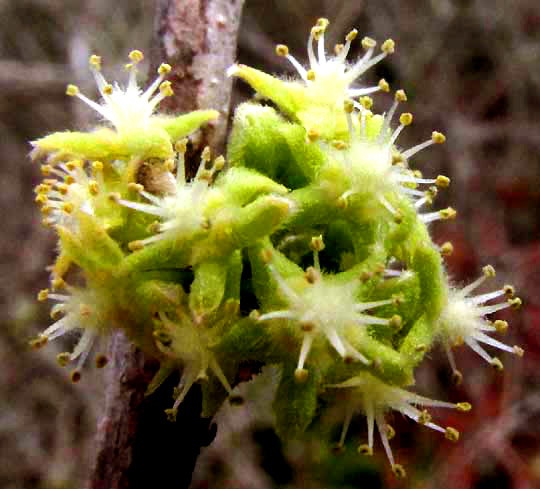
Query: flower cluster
307	247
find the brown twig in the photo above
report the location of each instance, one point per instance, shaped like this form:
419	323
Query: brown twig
198	39
136	445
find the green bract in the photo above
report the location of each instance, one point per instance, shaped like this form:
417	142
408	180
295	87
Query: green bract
309	250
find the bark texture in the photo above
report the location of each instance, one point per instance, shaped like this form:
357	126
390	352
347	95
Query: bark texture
136	446
198	39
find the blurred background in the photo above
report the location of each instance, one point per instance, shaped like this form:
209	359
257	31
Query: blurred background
471	69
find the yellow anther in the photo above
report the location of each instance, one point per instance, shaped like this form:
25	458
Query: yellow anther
266	256
42	188
101	361
312	275
164	68
442	181
338	48
509	290
338	144
323	22
424	417
317	243
390	431
301	375
39	342
316	32
348	106
447	248
46	210
459	340
488	271
108	89
365	449
368	43
62	188
310	75
68	207
451	434
154	227
397	157
69	179
165	89
388	46
171	414
135	187
395	322
282	50
497	364
463	406
63	358
351	36
307	326
93	187
406	119
457	377
43	295
398	471
206	155
515	303
313	134
501	326
136	56
114	197
383	85
342	202
135	245
97	166
58	283
95	62
219	163
71	165
72	90
438	137
55	314
75	376
41	199
400	96
518	351
46	170
181	146
448	213
366	102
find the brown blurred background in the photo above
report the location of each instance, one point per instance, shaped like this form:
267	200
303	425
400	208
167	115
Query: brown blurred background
471	69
